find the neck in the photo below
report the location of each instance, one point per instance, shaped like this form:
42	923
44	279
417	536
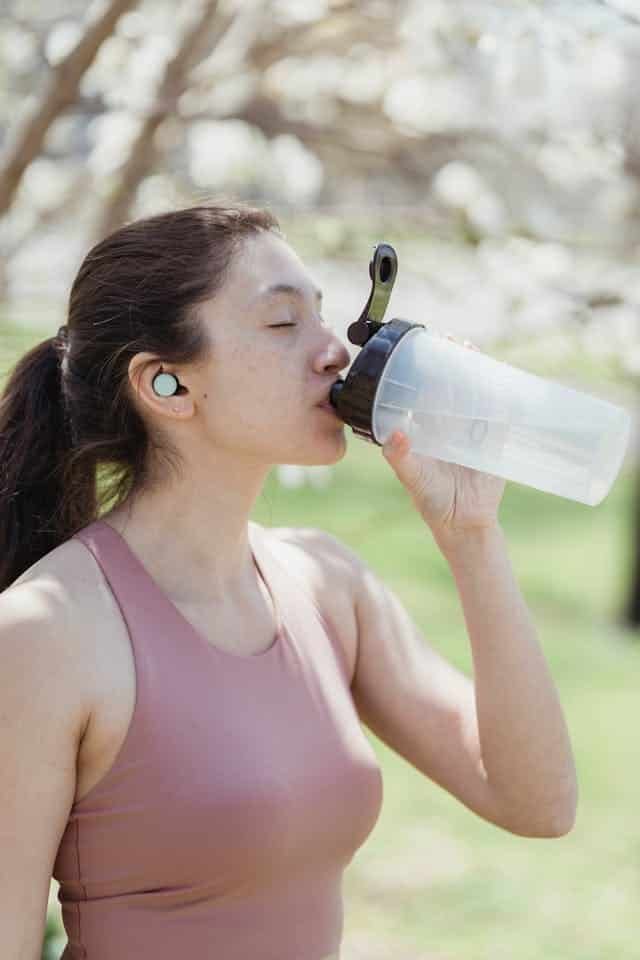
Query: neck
194	540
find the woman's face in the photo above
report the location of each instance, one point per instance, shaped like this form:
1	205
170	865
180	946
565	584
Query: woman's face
273	361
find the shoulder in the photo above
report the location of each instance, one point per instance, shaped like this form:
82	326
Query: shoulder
61	582
318	548
48	606
330	570
56	583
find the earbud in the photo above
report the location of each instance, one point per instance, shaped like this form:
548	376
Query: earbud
165	384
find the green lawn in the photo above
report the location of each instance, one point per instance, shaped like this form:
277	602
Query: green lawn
433	880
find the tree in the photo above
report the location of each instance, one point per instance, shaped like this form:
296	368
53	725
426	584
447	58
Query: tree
62	92
631	145
198	39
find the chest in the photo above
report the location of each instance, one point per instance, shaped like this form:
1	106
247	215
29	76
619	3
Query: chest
114	694
242	781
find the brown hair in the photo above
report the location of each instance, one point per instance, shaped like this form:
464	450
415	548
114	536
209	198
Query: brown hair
71	440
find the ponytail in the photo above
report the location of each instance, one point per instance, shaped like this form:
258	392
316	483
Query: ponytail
35	442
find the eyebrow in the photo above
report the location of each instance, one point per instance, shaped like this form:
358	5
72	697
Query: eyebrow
289	289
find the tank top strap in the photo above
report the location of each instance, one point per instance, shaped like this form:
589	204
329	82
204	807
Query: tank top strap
294	597
148	610
155	622
262	559
140	604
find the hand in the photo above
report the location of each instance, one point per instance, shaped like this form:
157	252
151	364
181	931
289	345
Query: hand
453	500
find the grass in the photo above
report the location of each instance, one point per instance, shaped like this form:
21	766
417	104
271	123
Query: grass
433	880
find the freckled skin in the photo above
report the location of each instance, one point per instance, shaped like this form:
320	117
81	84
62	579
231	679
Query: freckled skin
265	381
255	397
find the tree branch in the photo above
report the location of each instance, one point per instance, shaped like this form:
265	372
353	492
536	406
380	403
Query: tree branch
623	14
172	86
362	135
62	91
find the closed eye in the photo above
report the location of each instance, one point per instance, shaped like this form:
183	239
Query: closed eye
323	322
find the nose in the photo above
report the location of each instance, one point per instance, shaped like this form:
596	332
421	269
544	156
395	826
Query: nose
334	357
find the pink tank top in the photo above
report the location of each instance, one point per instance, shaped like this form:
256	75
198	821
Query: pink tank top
243	788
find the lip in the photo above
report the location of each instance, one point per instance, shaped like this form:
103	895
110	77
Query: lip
326	397
328	407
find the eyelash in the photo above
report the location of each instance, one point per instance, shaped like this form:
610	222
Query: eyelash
276	325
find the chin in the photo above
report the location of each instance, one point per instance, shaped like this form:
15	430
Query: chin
322	453
339	454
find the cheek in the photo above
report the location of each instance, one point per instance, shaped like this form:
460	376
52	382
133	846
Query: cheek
253	391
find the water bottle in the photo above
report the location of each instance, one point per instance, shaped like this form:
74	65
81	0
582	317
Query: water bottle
468	408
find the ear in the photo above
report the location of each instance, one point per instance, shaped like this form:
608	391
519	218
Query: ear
143	367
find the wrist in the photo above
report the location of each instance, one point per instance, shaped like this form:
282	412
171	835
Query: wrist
463	543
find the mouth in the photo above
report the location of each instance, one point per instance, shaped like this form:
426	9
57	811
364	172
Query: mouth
326	398
325	405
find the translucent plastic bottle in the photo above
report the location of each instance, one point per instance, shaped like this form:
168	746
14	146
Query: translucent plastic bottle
465	407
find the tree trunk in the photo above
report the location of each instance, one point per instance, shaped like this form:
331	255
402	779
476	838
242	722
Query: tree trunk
631	614
61	92
631	143
175	80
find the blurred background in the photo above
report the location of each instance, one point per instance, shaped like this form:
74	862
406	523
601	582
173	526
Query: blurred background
496	145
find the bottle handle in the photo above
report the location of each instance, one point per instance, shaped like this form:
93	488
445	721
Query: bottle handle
383	269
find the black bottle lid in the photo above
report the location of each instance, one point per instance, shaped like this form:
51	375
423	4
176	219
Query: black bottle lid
353	397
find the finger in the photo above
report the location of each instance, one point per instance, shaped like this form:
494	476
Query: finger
396	444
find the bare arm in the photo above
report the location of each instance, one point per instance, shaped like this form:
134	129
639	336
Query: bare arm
41	725
524	740
498	743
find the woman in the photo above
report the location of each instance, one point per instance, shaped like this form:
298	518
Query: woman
182	689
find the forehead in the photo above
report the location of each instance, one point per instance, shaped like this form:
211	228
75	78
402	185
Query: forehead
266	265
